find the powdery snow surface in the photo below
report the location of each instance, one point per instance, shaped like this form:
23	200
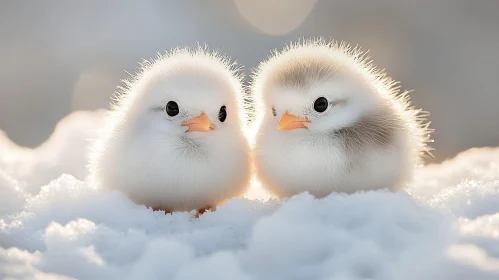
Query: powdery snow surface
446	226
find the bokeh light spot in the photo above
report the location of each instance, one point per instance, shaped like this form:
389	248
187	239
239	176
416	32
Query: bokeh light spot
275	17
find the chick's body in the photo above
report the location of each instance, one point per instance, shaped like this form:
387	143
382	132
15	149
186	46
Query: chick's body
331	122
174	140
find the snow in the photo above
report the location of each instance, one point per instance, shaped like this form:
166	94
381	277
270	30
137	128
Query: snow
54	225
64	152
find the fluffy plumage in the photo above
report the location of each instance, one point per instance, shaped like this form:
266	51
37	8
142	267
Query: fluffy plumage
172	162
369	136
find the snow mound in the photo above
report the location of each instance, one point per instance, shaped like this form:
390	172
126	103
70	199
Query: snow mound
64	152
13	197
72	230
445	226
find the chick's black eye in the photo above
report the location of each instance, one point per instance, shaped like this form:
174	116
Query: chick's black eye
274	112
222	114
172	108
321	104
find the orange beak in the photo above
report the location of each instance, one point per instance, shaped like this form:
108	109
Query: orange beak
289	122
200	123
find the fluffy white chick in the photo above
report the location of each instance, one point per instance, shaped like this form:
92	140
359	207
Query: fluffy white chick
330	121
174	139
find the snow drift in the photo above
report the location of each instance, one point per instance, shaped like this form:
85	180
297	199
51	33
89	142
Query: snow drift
52	226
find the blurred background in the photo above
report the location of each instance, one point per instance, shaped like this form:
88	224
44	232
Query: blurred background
59	56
